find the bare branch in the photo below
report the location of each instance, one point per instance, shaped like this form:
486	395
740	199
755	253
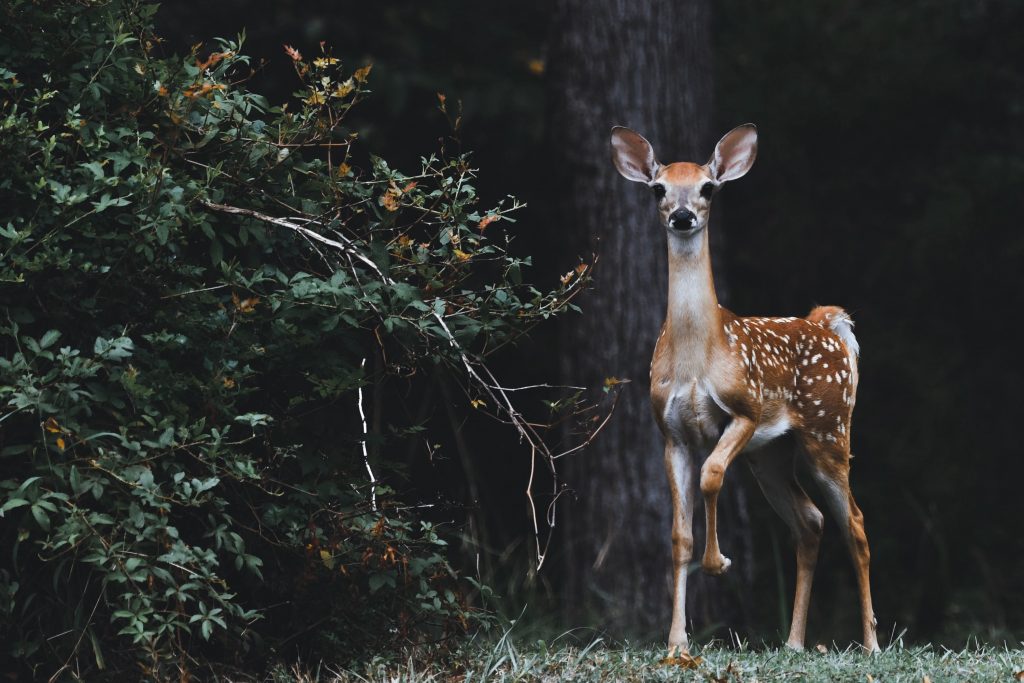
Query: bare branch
477	372
362	442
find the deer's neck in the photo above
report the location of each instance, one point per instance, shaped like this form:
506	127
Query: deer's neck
693	326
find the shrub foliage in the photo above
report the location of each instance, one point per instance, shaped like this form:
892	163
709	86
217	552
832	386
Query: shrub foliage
197	288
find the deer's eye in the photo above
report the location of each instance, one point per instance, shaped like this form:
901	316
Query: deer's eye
659	191
707	190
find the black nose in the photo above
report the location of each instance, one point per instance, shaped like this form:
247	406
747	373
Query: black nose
683	219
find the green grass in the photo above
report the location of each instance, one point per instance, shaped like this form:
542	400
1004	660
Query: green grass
508	661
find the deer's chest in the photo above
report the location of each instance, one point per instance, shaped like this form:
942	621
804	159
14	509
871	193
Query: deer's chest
688	410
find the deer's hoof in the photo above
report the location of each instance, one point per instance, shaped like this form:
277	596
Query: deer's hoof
716	566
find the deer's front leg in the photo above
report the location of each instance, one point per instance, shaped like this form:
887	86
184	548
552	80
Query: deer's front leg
734	438
680	467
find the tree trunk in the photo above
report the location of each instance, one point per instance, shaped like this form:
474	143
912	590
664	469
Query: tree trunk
644	64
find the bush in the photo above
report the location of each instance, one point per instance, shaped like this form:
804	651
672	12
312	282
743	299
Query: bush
197	287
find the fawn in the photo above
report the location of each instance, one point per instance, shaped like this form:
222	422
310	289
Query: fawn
722	385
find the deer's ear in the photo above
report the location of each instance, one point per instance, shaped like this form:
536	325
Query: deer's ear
734	153
633	155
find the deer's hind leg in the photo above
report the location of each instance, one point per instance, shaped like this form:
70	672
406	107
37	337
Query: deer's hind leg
773	469
829	462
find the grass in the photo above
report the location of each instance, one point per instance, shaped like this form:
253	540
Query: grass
509	661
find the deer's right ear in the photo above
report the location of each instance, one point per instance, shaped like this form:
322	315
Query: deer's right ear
633	155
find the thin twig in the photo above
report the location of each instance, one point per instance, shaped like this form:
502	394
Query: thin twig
366	455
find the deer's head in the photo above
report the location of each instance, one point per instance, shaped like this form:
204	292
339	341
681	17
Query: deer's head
684	190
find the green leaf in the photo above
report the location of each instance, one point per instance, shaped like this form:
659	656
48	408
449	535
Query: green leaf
377	581
13	503
41	517
49	339
106	201
113	349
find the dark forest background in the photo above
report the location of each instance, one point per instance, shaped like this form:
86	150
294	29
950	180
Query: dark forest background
888	181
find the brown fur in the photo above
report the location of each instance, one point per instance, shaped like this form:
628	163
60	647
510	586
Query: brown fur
683	173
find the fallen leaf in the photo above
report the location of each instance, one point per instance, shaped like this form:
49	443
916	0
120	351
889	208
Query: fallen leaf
821	648
683	661
51	425
293	53
60	443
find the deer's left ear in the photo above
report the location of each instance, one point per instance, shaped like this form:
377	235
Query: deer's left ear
734	153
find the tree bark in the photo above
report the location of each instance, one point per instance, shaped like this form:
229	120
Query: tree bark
645	64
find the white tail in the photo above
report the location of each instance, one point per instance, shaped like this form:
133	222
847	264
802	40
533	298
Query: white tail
722	385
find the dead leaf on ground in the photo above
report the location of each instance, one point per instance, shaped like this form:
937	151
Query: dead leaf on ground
683	661
821	648
1019	676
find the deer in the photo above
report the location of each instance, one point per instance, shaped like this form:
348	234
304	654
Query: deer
779	391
